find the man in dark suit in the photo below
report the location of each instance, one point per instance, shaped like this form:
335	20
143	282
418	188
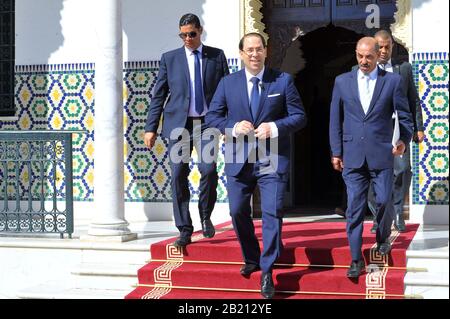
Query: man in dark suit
402	164
187	79
257	109
362	144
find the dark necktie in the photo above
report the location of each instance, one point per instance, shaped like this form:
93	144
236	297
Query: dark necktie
254	97
198	84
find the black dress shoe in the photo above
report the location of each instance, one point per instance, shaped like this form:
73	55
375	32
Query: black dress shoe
208	228
247	269
339	211
182	241
384	248
399	223
374	228
355	269
267	287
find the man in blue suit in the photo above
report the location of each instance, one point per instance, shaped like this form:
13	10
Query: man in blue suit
257	109
187	79
402	164
362	144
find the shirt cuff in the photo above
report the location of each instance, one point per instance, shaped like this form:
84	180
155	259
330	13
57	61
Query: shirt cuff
273	130
233	132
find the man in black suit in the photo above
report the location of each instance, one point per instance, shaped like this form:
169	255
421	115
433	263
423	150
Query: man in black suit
187	79
402	164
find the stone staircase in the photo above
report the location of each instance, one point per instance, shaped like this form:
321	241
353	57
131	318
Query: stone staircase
66	269
432	284
72	269
430	252
102	274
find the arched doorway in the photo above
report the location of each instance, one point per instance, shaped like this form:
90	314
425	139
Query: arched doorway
315	43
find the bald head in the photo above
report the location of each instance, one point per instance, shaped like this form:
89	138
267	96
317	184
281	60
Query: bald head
367	54
385	44
383	34
368	42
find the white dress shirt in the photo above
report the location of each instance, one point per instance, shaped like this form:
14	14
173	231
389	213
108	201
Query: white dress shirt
249	76
387	67
191	63
366	86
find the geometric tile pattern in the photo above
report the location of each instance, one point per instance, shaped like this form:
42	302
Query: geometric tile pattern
62	97
147	172
59	97
431	157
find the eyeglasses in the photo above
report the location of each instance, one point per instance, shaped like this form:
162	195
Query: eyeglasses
191	35
256	51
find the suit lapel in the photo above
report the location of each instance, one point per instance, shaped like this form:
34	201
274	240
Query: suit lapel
266	82
205	60
378	87
184	65
244	96
355	91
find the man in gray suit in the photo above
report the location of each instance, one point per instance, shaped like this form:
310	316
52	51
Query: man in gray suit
402	165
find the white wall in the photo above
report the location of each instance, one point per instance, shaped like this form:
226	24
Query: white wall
62	31
54	31
430	25
151	27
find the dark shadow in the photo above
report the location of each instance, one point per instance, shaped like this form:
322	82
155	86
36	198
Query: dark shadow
38	23
142	23
327	52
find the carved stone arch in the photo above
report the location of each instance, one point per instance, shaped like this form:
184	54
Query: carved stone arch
401	29
252	17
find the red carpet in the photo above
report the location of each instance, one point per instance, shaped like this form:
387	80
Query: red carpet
193	274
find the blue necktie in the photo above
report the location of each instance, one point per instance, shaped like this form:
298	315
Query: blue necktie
254	97
198	85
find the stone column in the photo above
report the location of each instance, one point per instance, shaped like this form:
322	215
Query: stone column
109	222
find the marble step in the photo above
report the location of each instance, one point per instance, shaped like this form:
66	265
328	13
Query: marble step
432	264
54	290
428	292
433	283
101	276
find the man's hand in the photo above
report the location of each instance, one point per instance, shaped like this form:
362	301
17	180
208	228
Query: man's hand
337	163
399	149
263	131
244	127
149	139
419	137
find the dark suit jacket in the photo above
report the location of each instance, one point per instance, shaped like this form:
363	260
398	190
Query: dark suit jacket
359	137
280	103
173	85
404	69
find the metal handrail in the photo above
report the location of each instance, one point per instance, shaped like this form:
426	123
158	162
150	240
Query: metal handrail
31	163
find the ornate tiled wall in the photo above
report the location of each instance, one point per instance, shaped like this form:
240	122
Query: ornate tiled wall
62	97
431	158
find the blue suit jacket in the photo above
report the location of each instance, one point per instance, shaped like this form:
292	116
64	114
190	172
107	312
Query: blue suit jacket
359	137
173	85
280	103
